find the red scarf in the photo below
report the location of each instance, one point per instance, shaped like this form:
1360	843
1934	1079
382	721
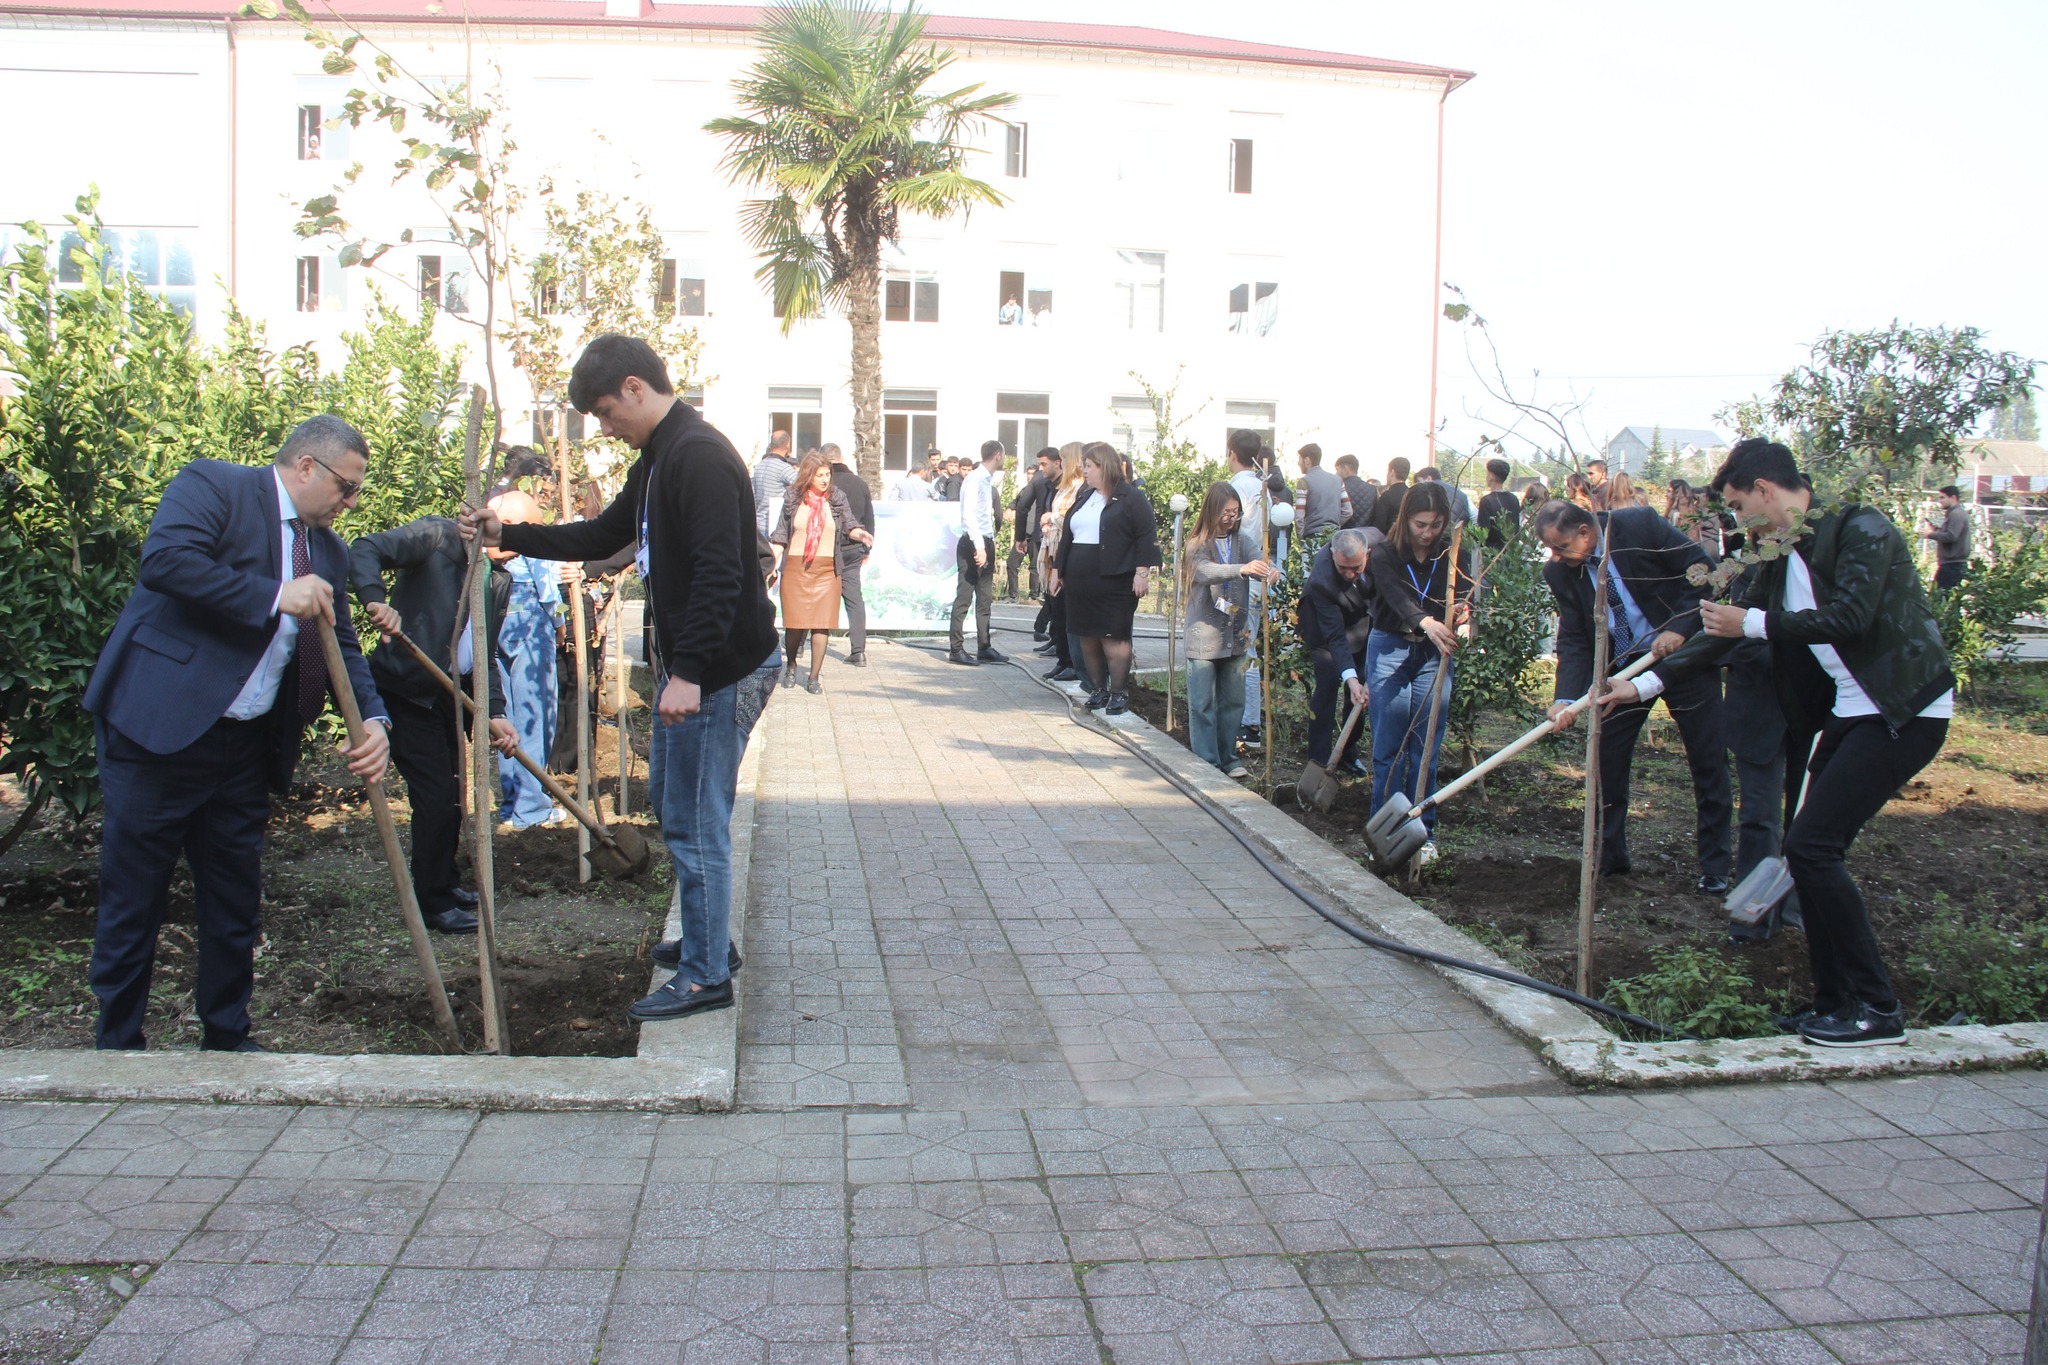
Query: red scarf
814	527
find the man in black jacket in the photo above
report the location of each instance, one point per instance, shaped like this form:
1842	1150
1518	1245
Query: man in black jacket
850	554
1866	688
425	601
1653	607
1334	621
709	625
1032	499
1387	506
1359	495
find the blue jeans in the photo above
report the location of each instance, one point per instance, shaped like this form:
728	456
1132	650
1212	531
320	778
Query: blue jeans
692	771
1215	700
752	693
1399	676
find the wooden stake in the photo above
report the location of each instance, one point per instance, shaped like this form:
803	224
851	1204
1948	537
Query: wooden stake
496	1039
387	834
578	625
1589	842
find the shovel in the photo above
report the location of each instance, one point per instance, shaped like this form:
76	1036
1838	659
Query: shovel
1770	881
1395	832
619	853
1316	787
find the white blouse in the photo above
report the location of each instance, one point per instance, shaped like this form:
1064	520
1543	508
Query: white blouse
1088	522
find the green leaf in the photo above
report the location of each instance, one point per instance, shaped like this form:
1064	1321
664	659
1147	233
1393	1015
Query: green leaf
260	9
335	64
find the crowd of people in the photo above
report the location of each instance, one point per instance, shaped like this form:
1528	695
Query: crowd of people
1827	675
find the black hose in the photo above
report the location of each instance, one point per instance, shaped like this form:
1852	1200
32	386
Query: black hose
1365	936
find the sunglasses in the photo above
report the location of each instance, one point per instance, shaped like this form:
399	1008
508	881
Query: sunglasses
349	487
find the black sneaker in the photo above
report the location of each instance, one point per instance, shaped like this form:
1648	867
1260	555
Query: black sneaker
1064	673
1858	1025
1119	704
1800	1016
857	659
1248	737
1711	885
676	999
669	953
1039	635
1098	699
992	655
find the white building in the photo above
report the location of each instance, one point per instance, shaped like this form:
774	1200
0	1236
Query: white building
1260	221
1630	447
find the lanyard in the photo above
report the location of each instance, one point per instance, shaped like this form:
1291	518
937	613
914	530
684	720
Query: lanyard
1422	588
1223	549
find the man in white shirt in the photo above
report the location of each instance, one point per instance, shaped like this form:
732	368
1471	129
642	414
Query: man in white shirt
1867	691
978	502
1247	476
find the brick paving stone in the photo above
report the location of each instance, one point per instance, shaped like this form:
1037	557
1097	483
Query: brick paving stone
955	1223
311	1222
968	1315
739	1227
733	1317
83	1218
525	1227
175	1140
33	1135
367	1144
227	1314
1392	1305
1212	1312
457	1317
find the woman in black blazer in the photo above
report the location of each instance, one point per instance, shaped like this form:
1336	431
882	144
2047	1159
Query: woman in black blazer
1108	546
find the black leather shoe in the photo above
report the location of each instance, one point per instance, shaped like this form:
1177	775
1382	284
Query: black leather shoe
1039	635
676	999
454	920
992	655
464	897
857	659
1119	704
1047	650
1710	885
1352	767
246	1045
960	656
1098	699
669	953
1618	870
1857	1025
1064	673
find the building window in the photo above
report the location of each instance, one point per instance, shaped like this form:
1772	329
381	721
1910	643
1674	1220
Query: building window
1240	165
1133	422
1017	151
309	284
693	394
910	296
796	411
1264	418
1254	308
1021	302
556	293
910	426
310	119
679	288
160	260
545	426
1023	423
320	119
444	283
1141	289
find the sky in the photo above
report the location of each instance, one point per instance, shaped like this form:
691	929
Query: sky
1658	206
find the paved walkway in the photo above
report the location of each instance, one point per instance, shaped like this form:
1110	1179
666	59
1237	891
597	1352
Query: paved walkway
1041	1069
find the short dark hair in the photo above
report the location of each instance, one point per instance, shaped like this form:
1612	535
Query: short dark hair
1949	490
317	436
1050	453
1311	452
1244	445
989	448
1429	473
607	363
1756	458
523	462
1397	469
1561	517
1596	464
1499	469
1348	463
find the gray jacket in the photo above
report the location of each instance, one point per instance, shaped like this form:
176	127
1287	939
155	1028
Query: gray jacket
1210	632
772	478
1952	540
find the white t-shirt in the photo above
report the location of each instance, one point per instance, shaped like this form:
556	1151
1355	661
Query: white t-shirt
1088	521
1850	698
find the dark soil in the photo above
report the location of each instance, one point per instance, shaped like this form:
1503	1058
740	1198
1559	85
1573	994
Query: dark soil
1972	828
335	969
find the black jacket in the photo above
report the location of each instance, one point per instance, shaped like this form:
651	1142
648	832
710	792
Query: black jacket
1652	557
1130	533
429	557
707	605
1386	509
1397	606
1499	514
1868	603
862	502
1332	609
1032	501
1363	498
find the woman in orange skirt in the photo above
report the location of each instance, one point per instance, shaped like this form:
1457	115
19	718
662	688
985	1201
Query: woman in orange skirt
815	517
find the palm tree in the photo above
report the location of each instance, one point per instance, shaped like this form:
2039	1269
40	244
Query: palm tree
838	124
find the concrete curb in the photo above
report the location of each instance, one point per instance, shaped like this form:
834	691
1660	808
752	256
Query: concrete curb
683	1065
1572	1042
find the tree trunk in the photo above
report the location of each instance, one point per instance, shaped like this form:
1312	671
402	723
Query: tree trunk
864	312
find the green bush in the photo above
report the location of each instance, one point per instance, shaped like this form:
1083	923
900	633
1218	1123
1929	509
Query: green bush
1510	627
1968	962
1697	992
1977	617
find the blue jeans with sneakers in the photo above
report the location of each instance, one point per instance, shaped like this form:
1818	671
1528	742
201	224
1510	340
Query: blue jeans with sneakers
692	773
1399	675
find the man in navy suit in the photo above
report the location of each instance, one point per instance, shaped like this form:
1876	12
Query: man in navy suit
201	697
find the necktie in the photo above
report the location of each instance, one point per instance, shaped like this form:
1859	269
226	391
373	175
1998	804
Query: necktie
1622	636
312	659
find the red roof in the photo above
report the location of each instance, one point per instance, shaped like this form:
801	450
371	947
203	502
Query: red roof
740	18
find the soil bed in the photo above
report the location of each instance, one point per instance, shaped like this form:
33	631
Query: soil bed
335	969
1954	868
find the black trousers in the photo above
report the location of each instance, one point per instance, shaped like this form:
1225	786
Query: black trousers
856	605
1327	703
1859	766
1054	614
1949	576
1695	703
424	751
208	802
1756	735
1023	552
977	589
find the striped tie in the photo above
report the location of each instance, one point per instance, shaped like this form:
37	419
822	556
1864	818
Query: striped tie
312	658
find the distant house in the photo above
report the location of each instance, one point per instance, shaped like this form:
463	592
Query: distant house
2001	471
1631	446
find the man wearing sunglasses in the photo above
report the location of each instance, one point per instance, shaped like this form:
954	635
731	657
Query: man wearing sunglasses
200	699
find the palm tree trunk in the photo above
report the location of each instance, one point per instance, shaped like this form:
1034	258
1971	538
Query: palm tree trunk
865	313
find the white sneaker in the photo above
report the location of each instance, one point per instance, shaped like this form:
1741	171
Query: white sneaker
1237	770
1426	855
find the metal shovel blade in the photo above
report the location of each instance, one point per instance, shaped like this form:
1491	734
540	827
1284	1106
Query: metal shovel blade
1393	834
1767	883
624	857
1315	787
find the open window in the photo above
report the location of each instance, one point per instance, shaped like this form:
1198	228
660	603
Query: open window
679	288
446	282
1141	290
910	426
1240	165
1254	308
1017	150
